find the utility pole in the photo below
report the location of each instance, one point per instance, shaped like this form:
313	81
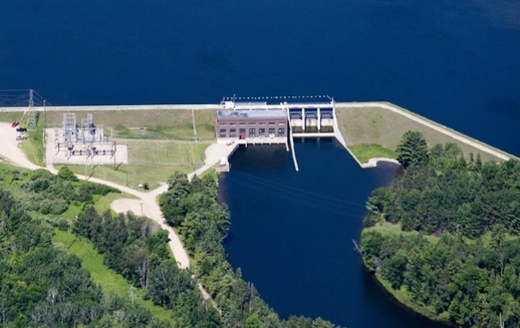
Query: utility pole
194	125
44	141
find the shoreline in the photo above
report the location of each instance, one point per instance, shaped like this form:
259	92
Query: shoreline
402	304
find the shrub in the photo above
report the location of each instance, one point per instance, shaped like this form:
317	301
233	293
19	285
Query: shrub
66	174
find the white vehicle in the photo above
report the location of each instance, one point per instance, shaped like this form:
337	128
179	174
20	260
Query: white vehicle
229	143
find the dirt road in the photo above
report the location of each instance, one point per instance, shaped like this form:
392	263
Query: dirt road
146	204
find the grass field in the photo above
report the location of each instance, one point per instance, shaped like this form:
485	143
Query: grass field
33	146
387	229
205	122
150	161
164	152
376	125
131	175
364	152
110	281
102	203
149	124
10	117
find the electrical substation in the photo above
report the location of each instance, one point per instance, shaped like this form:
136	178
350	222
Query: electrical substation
81	140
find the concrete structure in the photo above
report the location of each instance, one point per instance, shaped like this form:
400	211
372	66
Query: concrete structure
252	126
312	117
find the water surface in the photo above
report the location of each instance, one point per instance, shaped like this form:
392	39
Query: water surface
291	232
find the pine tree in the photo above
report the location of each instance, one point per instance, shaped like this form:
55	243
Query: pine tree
412	150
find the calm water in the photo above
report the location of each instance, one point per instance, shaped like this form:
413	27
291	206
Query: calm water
291	232
456	62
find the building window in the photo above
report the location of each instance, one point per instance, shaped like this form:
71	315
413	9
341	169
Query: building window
261	132
223	133
232	133
281	132
232	124
242	133
281	123
271	123
261	123
252	133
271	132
242	123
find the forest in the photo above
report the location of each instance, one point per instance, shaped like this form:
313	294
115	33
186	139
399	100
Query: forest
43	285
443	238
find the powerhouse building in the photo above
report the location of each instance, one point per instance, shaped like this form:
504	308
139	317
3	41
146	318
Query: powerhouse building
251	124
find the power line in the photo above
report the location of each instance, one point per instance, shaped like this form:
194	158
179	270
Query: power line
325	206
21	98
296	190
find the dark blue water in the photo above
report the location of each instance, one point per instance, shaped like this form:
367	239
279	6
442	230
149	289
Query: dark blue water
456	62
291	233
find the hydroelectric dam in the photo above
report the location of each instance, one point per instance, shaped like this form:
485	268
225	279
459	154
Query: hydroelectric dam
237	121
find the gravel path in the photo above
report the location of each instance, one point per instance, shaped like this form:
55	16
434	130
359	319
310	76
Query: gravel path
9	148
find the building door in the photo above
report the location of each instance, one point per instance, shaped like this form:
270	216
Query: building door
242	134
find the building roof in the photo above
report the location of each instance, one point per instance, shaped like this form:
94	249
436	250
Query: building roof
255	113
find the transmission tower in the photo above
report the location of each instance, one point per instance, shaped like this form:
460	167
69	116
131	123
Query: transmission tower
32	119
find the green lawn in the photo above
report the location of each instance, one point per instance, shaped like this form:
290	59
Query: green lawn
165	152
364	152
132	175
10	116
180	131
388	229
110	281
102	204
205	122
33	146
151	161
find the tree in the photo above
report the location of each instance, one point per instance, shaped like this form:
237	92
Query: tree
412	150
394	269
66	174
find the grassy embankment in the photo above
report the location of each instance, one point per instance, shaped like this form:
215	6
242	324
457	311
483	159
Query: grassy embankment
373	131
160	143
110	281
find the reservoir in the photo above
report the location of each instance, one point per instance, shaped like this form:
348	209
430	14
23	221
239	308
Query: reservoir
291	233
